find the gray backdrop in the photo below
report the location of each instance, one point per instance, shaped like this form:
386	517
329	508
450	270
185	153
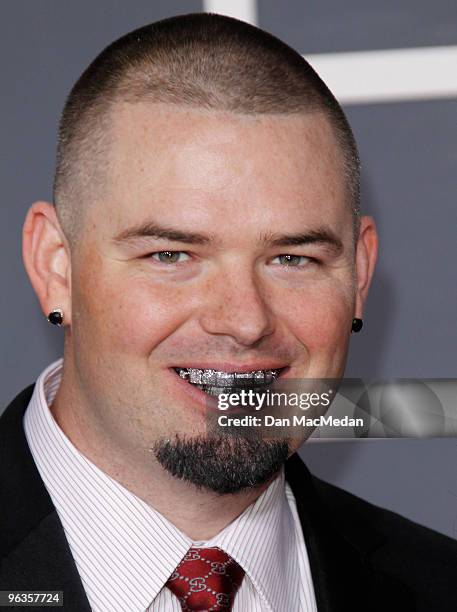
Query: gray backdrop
410	161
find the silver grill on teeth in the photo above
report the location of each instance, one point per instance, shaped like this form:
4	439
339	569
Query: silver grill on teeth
220	378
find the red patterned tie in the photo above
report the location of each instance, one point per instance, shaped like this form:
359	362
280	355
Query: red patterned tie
206	579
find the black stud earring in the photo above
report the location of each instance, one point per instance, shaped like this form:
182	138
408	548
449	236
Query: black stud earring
357	325
56	316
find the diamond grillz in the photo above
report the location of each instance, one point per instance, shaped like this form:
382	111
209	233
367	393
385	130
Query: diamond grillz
218	378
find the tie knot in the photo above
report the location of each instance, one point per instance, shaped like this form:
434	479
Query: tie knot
206	579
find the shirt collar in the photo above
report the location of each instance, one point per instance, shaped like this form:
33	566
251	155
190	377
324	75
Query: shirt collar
138	547
262	541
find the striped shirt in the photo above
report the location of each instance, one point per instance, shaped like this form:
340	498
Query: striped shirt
125	550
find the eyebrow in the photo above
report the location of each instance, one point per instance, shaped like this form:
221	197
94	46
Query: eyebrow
321	235
150	229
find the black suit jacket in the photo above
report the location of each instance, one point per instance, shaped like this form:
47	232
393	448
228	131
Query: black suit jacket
362	558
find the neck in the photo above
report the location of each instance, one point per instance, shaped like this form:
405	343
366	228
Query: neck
198	513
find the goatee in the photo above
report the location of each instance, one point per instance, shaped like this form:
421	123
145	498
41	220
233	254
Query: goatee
223	464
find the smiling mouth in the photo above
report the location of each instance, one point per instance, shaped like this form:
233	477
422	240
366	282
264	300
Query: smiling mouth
215	382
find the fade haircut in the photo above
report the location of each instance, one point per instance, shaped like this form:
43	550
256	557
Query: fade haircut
199	60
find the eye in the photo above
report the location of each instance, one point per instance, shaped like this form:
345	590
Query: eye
170	257
294	261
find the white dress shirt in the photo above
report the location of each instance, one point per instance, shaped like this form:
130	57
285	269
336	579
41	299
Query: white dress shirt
125	551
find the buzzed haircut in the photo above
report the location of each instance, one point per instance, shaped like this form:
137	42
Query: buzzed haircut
199	60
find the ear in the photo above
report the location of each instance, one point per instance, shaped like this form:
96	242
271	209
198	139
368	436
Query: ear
46	256
365	260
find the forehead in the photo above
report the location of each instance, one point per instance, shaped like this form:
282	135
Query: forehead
170	160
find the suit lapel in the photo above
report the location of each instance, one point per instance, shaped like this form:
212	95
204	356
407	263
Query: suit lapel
34	552
43	561
340	557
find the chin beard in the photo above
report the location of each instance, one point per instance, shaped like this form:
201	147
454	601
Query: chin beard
222	464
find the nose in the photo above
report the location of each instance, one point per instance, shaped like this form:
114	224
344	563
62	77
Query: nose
237	306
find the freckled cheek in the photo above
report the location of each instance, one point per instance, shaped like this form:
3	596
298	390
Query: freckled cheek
318	317
142	315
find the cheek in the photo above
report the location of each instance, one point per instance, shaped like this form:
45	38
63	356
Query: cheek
128	315
146	315
318	316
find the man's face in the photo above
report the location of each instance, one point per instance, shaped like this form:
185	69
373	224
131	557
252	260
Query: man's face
225	281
